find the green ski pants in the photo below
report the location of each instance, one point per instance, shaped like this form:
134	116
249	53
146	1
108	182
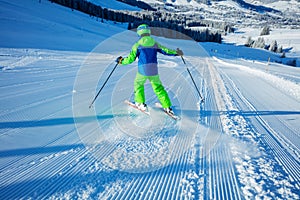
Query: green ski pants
157	87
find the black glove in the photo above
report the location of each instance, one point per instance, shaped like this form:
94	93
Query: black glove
179	52
119	60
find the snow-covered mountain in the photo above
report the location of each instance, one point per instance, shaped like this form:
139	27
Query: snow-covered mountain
242	143
275	4
234	13
238	12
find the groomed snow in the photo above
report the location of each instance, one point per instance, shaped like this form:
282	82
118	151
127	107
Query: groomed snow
242	143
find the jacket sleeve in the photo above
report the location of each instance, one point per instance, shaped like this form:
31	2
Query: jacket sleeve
132	56
166	51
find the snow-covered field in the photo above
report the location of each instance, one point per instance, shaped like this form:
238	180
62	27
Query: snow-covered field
242	143
288	39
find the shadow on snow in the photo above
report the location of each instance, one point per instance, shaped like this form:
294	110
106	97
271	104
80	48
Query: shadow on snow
54	121
39	150
247	113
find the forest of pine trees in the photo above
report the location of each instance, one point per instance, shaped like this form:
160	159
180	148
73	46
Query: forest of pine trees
161	19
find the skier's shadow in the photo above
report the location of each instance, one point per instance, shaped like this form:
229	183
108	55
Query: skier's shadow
54	121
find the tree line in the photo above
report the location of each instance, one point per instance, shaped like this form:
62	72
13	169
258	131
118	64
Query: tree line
139	4
179	23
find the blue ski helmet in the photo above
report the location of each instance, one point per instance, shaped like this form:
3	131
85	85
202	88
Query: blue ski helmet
143	29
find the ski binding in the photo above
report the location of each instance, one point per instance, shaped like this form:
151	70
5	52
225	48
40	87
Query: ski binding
137	108
173	116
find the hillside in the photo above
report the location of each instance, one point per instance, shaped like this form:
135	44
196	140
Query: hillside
277	14
241	143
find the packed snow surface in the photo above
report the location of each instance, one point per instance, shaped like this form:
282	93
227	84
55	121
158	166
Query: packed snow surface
241	143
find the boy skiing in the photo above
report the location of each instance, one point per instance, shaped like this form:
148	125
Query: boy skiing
146	51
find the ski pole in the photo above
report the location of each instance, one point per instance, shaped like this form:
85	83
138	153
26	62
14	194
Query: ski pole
202	99
103	85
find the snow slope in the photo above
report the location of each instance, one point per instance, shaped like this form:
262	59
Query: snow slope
31	25
242	143
291	6
288	39
114	4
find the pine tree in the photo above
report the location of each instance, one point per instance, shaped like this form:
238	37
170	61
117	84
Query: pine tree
259	43
129	26
265	31
249	42
274	46
280	49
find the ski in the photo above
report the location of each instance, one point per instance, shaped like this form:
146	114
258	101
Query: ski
173	116
137	108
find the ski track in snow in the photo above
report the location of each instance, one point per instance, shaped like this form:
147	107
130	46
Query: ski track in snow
239	144
281	145
242	143
234	165
237	157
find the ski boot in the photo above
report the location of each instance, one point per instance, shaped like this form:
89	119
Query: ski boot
141	106
169	111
